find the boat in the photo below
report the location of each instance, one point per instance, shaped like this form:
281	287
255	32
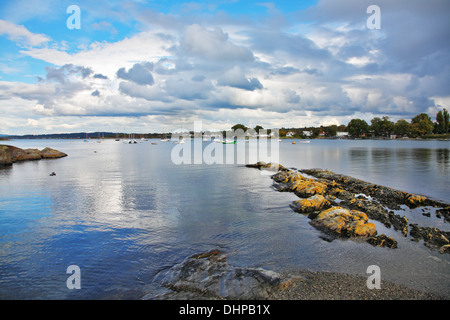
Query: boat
132	139
304	141
154	143
181	140
229	142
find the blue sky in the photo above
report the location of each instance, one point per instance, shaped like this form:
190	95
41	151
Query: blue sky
148	66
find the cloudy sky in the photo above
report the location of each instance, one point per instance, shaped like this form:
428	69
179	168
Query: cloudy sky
154	66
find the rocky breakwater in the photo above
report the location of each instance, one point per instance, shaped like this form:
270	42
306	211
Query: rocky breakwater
11	154
341	206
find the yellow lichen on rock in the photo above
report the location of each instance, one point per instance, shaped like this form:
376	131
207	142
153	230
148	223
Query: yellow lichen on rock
349	223
308	187
415	200
311	204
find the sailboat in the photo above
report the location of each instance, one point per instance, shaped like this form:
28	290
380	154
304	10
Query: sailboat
132	140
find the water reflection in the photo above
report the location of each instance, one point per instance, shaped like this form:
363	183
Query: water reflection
123	212
443	160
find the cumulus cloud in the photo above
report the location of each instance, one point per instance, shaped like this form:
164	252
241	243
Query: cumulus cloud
140	73
237	79
318	64
213	44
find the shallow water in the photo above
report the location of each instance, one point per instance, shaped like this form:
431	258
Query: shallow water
123	212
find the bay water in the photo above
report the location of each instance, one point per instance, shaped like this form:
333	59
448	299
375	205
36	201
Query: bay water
123	212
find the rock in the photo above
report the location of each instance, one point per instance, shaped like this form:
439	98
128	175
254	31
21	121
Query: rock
382	241
374	201
209	276
346	223
432	237
269	166
387	196
445	212
11	154
414	200
311	204
49	153
308	187
445	248
294	182
6	155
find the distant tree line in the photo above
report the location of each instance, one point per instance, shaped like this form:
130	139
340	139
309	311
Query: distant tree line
419	126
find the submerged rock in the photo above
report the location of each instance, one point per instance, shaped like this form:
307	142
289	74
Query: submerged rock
382	241
432	237
268	166
209	276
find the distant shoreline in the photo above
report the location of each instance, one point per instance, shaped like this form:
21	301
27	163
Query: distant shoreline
428	138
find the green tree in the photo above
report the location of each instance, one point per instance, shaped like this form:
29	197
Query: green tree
421	124
357	128
331	131
442	124
382	127
239	126
258	127
446	121
402	127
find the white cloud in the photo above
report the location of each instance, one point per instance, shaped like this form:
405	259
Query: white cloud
22	35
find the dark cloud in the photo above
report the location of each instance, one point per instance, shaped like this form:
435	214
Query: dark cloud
100	76
140	73
61	74
237	79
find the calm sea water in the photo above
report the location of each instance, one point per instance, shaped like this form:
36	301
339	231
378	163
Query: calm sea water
124	212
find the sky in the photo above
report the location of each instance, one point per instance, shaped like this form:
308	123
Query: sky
157	66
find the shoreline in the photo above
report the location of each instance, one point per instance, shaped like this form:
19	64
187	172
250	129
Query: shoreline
208	276
340	207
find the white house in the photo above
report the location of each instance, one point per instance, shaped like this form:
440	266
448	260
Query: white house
341	134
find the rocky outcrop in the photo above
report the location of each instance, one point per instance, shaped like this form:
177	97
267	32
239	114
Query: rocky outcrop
208	276
11	154
341	206
433	237
344	222
311	204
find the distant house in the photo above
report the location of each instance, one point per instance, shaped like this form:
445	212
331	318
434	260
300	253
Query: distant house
290	134
341	134
307	133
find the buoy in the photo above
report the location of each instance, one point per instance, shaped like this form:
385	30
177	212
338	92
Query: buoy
293	142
